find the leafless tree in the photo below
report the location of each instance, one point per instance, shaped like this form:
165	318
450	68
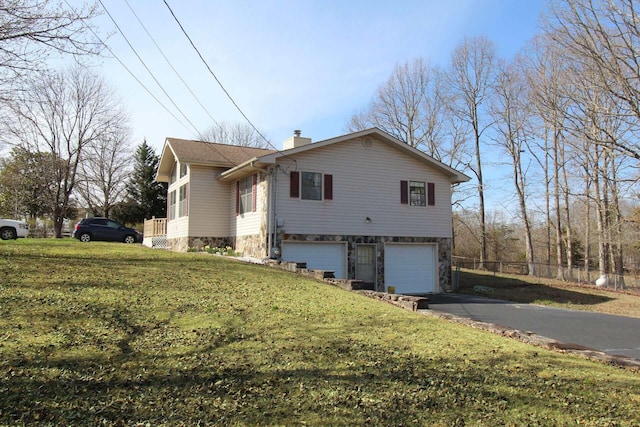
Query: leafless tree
104	170
408	106
241	134
471	77
547	76
63	113
31	30
512	117
604	35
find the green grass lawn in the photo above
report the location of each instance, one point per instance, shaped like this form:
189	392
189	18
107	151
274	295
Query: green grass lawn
114	334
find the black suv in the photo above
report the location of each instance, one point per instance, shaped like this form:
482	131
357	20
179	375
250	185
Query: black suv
105	229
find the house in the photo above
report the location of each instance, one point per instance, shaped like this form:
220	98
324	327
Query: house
364	205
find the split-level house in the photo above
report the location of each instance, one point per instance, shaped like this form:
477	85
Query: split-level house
364	205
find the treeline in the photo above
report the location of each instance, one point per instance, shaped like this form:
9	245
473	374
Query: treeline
564	113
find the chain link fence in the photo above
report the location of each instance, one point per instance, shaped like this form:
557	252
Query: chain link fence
630	281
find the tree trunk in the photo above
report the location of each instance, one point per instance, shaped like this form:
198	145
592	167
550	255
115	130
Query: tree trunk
556	199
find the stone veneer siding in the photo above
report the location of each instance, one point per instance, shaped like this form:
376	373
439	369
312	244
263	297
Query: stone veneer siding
253	245
443	245
182	244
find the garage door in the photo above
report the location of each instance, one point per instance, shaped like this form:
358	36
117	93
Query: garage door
410	268
318	256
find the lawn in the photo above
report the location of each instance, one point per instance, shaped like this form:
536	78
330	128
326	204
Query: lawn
114	334
535	290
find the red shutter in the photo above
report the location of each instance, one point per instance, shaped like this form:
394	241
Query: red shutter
294	185
404	192
237	197
254	191
431	194
328	187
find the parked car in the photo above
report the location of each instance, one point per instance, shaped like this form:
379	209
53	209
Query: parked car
106	230
12	229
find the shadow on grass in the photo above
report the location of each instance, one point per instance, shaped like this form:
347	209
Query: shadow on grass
357	384
513	289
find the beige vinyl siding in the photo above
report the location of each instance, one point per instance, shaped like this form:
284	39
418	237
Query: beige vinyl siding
247	223
366	183
179	226
209	215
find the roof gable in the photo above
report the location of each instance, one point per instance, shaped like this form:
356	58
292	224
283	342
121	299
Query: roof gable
373	133
203	153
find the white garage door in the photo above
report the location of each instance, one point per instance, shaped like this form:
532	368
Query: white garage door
318	256
410	268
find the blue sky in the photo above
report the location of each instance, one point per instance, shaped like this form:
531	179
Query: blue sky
288	64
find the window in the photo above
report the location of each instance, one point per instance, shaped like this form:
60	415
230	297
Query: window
311	186
246	194
314	186
183	169
417	194
172	205
183	209
172	176
112	224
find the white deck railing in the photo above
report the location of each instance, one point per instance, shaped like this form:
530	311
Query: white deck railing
155	232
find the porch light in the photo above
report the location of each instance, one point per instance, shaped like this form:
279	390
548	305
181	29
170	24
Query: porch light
367	220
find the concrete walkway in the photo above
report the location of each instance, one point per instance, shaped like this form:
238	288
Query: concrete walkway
613	335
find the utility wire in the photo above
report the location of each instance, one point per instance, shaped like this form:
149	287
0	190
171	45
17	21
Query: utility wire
181	79
170	64
216	78
147	68
135	77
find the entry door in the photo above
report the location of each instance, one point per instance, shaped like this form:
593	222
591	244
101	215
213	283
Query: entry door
366	264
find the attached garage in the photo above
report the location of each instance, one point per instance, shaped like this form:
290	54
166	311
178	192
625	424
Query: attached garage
318	256
410	268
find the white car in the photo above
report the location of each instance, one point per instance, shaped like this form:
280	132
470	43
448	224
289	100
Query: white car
12	229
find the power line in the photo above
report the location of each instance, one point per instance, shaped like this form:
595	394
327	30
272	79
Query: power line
182	80
135	77
147	68
216	78
170	64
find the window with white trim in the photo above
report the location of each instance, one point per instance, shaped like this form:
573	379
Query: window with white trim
311	186
417	193
183	169
172	175
182	207
172	205
245	195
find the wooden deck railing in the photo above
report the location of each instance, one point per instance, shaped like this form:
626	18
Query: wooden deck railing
155	227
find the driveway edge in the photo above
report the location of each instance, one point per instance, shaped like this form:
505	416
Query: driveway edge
539	341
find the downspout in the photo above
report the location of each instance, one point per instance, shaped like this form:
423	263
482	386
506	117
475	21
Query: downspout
274	225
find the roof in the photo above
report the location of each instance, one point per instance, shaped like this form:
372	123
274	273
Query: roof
373	133
204	153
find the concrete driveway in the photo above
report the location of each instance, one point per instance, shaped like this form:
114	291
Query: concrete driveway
614	335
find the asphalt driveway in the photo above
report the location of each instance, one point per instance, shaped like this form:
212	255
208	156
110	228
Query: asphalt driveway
614	335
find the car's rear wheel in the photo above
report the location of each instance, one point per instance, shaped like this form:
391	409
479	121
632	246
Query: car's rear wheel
8	233
129	238
85	237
